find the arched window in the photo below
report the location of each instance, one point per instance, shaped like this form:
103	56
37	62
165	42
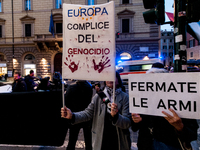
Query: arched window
125	56
29	57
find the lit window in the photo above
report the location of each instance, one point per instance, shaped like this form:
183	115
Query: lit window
27	5
58	4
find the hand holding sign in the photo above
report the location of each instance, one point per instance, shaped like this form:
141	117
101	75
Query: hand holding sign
174	120
66	113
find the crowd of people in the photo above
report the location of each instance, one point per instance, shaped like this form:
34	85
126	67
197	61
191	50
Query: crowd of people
111	120
28	83
106	120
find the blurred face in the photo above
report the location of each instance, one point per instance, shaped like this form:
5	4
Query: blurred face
110	83
32	74
16	77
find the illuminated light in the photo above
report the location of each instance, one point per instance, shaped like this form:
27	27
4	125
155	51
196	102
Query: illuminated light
90	17
87	19
125	58
119	61
146	58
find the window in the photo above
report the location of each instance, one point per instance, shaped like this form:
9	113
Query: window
58	4
164	40
0	31
27	26
125	25
1	6
27	5
170	47
191	54
27	30
125	1
58	27
170	40
191	43
29	57
164	47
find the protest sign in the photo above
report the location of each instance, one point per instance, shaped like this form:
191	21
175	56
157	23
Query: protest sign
89	42
153	93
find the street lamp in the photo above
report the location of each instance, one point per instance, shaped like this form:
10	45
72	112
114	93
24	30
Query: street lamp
12	34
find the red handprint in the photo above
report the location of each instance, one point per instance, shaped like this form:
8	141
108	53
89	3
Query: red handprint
72	66
101	65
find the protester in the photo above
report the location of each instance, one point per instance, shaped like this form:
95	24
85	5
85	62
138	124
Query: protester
78	96
163	133
18	85
110	121
29	79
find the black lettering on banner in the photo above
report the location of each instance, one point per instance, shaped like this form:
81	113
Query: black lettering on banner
181	105
106	25
132	86
79	38
172	87
99	25
172	103
87	25
140	86
143	102
160	88
149	85
190	87
69	27
195	106
88	37
161	104
93	38
181	84
81	27
134	105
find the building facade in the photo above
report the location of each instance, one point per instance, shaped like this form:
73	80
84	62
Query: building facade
193	48
167	47
26	43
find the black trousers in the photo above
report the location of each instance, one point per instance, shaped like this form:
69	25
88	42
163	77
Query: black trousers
73	136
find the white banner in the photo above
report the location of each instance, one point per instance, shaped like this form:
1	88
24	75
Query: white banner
153	93
89	42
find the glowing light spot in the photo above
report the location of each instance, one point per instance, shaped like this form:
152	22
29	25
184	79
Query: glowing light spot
79	7
90	17
82	18
87	19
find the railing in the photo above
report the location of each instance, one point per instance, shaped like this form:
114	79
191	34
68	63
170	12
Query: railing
28	40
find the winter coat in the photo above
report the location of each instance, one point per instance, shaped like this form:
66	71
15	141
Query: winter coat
19	86
97	110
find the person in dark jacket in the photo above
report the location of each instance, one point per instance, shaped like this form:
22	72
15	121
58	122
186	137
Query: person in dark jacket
163	133
77	98
29	79
110	118
18	85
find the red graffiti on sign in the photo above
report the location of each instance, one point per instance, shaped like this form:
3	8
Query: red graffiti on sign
102	64
72	65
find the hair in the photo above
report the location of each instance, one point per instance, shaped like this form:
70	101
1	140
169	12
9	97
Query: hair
18	73
157	65
119	80
31	71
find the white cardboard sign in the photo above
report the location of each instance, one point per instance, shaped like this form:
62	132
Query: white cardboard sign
89	42
153	93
